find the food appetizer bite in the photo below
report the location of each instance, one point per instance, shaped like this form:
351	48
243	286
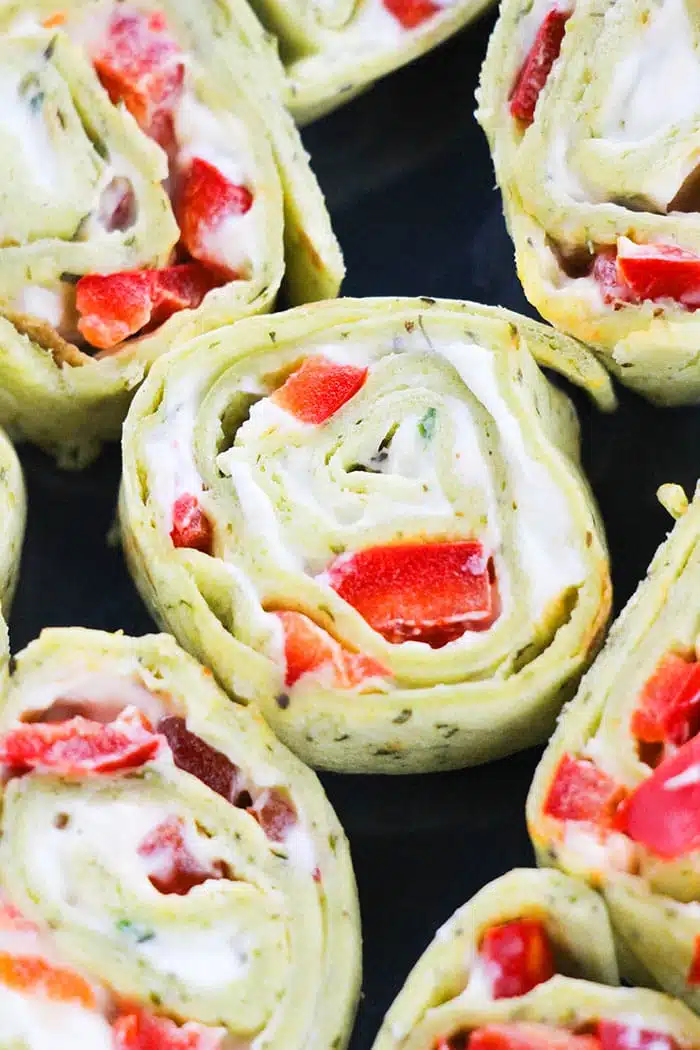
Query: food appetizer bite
368	517
153	188
171	876
595	152
335	49
616	798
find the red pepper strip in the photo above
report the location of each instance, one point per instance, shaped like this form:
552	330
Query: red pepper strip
411	13
191	527
206	199
538	65
142	1030
529	1036
669	706
116	305
79	746
659	271
694	971
275	813
519	956
174	869
307	647
318	389
139	64
423	592
616	1036
665	816
581	792
31	975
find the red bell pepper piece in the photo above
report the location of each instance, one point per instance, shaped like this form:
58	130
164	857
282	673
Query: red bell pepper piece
581	792
694	971
424	592
519	956
141	1030
538	65
523	1035
80	746
659	271
191	526
31	975
275	813
206	199
411	13
319	388
616	1036
116	305
669	706
663	813
174	869
141	65
307	647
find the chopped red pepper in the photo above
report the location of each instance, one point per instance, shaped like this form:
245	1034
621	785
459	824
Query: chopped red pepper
191	526
529	1036
200	759
116	305
32	975
411	13
611	284
174	869
140	64
206	199
79	746
275	813
694	971
519	956
663	813
307	647
659	271
616	1036
423	592
669	706
141	1030
581	792
538	65
319	388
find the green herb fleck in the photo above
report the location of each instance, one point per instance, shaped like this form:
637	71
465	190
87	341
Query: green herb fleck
426	425
134	929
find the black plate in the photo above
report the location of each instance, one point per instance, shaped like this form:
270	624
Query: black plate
410	186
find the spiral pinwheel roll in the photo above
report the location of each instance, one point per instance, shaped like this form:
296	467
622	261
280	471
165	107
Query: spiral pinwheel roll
368	517
616	798
595	151
153	188
171	876
334	49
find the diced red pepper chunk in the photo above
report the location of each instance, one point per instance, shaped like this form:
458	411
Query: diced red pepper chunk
529	1036
31	975
197	757
659	271
206	199
669	706
423	592
411	13
308	648
141	1030
581	792
616	1036
538	65
519	956
141	65
191	526
694	971
114	306
80	746
663	813
275	813
319	388
173	867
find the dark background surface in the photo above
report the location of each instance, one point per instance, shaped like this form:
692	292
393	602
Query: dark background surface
410	187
